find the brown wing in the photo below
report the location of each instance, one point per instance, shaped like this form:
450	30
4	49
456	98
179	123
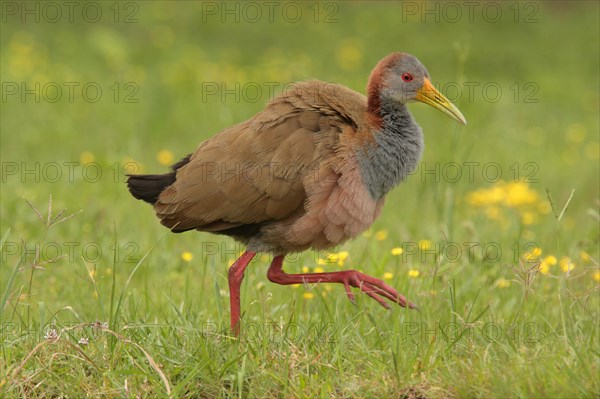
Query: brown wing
256	171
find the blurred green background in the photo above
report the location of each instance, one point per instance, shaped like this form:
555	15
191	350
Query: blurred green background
522	85
171	74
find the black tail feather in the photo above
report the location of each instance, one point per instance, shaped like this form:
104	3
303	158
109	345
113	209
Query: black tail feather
148	187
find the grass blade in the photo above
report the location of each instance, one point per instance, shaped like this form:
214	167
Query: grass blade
11	281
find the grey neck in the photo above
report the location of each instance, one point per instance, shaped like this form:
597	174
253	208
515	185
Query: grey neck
395	153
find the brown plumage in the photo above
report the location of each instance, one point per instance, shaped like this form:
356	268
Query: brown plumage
309	171
266	168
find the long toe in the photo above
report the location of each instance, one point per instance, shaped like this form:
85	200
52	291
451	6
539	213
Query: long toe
377	289
349	293
377	298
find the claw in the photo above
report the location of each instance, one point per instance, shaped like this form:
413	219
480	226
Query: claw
349	293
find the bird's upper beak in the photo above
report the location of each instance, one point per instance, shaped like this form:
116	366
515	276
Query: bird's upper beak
430	95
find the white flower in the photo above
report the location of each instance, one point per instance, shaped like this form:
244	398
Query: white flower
51	335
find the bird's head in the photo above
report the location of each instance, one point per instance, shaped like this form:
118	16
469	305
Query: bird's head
401	78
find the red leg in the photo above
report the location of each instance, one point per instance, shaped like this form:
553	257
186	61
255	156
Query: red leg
236	275
371	286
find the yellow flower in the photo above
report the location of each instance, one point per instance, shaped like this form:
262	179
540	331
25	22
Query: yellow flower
349	54
305	269
490	196
397	251
319	270
388	276
341	257
187	256
502	283
381	235
596	276
295	285
551	260
545	264
26	56
320	261
165	157
332	258
424	245
516	195
528	218
533	254
566	265
308	295
585	256
544	207
519	193
576	133
86	157
414	273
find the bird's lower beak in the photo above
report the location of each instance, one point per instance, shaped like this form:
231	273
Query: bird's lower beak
431	96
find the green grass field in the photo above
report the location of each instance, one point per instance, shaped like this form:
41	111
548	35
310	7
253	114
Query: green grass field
495	237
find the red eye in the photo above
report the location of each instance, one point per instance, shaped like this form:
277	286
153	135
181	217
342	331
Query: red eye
407	77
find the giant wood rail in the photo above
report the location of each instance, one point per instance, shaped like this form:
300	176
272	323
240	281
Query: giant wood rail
310	171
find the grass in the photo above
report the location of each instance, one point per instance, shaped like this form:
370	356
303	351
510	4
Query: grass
99	301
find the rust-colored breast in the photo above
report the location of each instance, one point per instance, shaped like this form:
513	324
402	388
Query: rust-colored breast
338	207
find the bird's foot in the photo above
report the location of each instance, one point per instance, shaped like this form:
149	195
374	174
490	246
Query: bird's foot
373	287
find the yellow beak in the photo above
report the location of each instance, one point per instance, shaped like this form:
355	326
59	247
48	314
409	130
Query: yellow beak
430	95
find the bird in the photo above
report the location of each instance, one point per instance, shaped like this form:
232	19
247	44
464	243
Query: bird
309	171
